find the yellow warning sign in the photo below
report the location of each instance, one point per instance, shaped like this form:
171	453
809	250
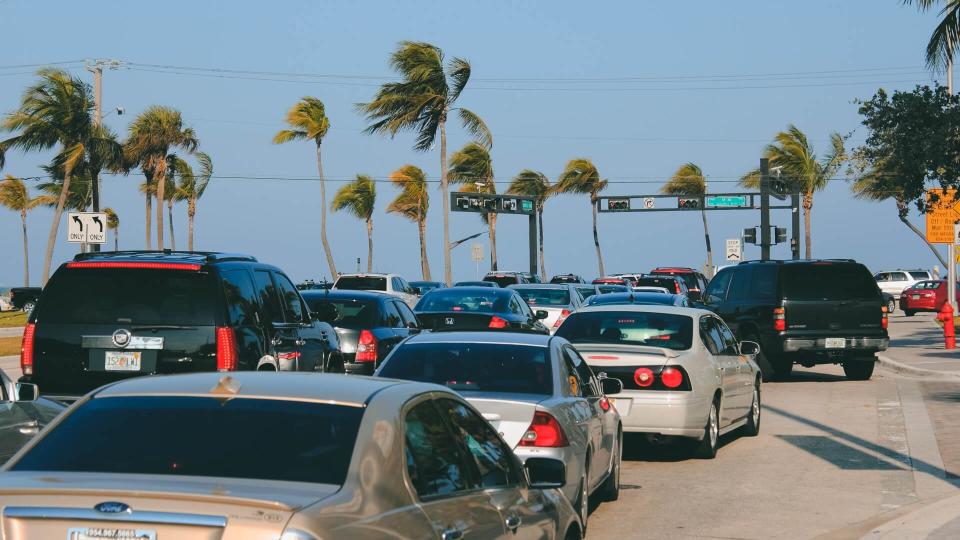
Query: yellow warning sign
942	214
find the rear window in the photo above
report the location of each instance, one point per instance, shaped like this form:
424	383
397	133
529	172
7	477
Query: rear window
930	285
604	289
587	292
199	436
129	296
919	275
668	283
355	314
502	280
689	279
457	300
666	330
481	367
545	297
361	283
828	281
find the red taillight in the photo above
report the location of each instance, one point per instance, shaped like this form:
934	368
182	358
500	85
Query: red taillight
497	322
366	347
26	349
884	321
643	377
604	404
671	378
779	319
140	265
544	432
226	349
677	286
563	316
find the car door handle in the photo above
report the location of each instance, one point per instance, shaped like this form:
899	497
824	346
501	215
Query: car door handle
513	523
452	534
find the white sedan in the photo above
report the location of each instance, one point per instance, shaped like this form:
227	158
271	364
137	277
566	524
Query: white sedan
683	372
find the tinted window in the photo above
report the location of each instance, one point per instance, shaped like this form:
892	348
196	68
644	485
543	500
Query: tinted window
898	276
668	283
919	275
130	296
362	283
710	335
409	319
629	327
929	285
241	297
458	300
352	313
689	279
764	282
717	290
587	292
833	281
292	306
485	367
490	455
729	341
390	317
545	297
604	289
582	371
502	280
293	441
434	460
740	285
269	299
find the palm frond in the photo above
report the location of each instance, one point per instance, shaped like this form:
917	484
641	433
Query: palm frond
459	70
358	197
687	180
476	127
580	176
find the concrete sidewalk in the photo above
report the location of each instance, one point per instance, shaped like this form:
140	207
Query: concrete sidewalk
11	365
916	348
11	332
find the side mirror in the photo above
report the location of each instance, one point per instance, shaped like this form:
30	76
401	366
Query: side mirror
27	392
545	473
541	314
609	385
749	348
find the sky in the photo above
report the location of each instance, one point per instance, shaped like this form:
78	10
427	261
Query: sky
638	87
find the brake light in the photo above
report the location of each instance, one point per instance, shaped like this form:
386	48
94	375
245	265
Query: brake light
779	319
226	349
643	377
884	321
26	349
563	316
676	285
671	378
366	347
544	432
497	322
139	265
604	404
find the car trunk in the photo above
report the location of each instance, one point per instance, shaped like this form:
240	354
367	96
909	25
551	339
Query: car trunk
621	361
89	505
509	414
827	297
825	317
455	320
553	314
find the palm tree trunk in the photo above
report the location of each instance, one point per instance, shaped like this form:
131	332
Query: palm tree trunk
596	238
116	239
706	236
173	240
149	200
424	263
492	231
444	193
323	217
807	208
901	214
26	255
54	229
369	244
191	211
160	179
543	265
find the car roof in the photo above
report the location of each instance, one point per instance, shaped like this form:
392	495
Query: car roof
540	285
641	296
366	274
195	257
471	289
344	294
692	312
674	269
500	338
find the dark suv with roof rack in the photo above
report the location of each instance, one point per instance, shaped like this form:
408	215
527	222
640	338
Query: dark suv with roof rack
109	316
803	312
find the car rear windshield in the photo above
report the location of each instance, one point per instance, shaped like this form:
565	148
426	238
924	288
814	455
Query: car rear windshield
131	296
930	285
828	281
362	283
689	279
666	330
604	289
668	283
458	300
587	292
545	297
199	436
502	280
919	275
482	367
355	314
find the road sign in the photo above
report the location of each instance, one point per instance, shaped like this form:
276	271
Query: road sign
728	201
649	202
477	252
942	214
734	250
87	227
491	204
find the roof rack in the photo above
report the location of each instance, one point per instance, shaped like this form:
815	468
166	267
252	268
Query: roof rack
207	256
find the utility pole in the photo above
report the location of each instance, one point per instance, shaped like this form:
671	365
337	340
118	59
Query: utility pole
533	243
795	225
951	249
96	67
764	209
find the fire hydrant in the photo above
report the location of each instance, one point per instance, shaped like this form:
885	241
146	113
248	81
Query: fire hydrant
946	316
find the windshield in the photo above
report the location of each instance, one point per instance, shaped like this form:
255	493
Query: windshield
604	289
587	292
544	297
130	296
483	367
833	281
458	300
352	313
361	283
502	280
668	283
930	285
689	279
198	436
919	275
665	330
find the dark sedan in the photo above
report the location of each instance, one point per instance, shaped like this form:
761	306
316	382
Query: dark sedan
478	308
423	287
22	415
369	324
639	299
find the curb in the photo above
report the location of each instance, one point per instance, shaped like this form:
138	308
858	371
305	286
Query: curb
898	367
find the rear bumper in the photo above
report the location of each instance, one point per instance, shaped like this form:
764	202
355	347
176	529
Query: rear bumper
359	368
682	414
864	344
922	304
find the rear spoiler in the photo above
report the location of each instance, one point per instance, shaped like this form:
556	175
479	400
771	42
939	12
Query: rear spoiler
641	349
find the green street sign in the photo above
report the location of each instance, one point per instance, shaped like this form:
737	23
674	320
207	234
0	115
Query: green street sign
728	201
526	206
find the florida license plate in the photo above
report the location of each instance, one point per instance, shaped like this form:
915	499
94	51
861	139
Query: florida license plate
836	343
97	533
122	361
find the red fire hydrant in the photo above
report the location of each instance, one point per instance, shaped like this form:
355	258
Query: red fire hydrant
946	315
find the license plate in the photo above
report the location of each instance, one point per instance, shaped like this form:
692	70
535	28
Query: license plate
122	361
836	343
915	297
96	533
622	405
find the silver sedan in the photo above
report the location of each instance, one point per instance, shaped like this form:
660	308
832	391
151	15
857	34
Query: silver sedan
559	300
536	391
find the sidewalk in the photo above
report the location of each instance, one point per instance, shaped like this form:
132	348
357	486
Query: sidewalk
916	348
11	332
11	365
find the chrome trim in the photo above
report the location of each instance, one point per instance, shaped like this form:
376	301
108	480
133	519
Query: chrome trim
89	514
135	343
856	344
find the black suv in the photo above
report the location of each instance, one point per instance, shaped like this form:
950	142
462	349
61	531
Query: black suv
803	312
110	316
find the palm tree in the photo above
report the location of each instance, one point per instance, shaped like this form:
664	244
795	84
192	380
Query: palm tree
153	134
359	197
800	169
413	203
191	188
472	167
945	36
689	181
79	194
581	176
420	102
15	196
113	224
534	184
175	167
308	120
54	112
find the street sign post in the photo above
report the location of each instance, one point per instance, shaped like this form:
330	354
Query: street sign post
476	253
942	213
485	203
87	227
734	250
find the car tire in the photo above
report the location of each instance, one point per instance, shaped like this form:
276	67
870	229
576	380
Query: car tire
891	306
909	313
29	307
610	490
752	429
583	500
766	367
859	370
706	448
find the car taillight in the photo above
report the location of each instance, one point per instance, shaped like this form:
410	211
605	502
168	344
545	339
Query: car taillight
26	349
497	322
226	349
366	347
643	377
671	378
563	316
604	404
884	321
779	319
544	432
676	286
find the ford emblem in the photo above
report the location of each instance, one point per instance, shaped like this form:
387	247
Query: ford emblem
121	338
112	508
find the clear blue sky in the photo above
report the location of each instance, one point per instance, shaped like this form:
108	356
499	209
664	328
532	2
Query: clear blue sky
639	87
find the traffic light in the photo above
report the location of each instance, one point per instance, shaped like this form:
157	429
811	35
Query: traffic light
750	236
691	203
490	204
618	204
463	203
781	235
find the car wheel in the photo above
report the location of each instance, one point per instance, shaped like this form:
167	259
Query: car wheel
752	429
859	370
707	447
610	490
891	306
28	307
583	501
766	368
